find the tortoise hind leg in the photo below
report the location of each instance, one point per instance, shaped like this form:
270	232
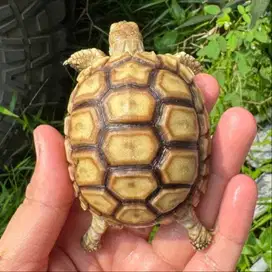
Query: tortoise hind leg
91	239
200	237
84	58
189	61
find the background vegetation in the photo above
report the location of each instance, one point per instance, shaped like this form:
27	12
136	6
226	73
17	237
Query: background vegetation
231	39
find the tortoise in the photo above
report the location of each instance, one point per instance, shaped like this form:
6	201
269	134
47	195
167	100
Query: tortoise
137	137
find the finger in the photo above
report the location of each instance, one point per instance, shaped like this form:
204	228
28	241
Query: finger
230	146
210	88
233	224
36	224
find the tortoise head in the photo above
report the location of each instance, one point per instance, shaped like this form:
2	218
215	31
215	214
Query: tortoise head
125	37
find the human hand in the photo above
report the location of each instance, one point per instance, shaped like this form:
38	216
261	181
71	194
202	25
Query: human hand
44	234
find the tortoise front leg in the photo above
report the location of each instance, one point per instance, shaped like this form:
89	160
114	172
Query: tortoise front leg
189	61
91	239
200	237
84	58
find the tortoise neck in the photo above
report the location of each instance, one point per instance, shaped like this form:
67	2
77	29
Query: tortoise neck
125	37
129	45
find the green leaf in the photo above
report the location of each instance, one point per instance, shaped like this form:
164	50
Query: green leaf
177	12
195	20
5	111
13	101
241	9
166	41
266	72
232	41
223	20
265	238
268	258
261	36
213	50
251	250
242	64
246	18
251	240
150	5
258	8
212	9
201	52
266	168
227	10
220	76
233	98
153	232
222	43
249	36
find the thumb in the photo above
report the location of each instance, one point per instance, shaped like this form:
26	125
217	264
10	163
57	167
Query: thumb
35	226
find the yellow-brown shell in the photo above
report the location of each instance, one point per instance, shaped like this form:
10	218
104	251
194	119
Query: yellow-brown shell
137	138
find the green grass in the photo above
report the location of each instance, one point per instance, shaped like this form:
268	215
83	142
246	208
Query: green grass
231	41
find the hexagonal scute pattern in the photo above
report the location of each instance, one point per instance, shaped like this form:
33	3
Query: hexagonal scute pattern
130	147
129	105
179	166
130	72
88	169
93	87
83	126
132	184
170	85
127	174
135	214
179	123
100	200
168	199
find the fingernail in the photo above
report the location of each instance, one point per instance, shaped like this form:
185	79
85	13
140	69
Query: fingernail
36	143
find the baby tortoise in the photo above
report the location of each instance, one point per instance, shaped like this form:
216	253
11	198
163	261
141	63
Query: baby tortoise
137	137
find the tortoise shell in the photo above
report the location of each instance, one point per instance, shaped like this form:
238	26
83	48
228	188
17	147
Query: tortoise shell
137	137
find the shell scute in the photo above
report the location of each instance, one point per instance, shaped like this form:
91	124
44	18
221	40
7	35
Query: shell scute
130	147
179	123
130	72
169	61
132	184
92	87
169	199
135	214
84	126
88	168
129	105
170	85
100	200
179	166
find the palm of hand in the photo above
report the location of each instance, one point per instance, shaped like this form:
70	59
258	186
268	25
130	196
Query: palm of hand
50	230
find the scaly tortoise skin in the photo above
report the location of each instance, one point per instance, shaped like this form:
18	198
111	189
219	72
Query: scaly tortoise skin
137	137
